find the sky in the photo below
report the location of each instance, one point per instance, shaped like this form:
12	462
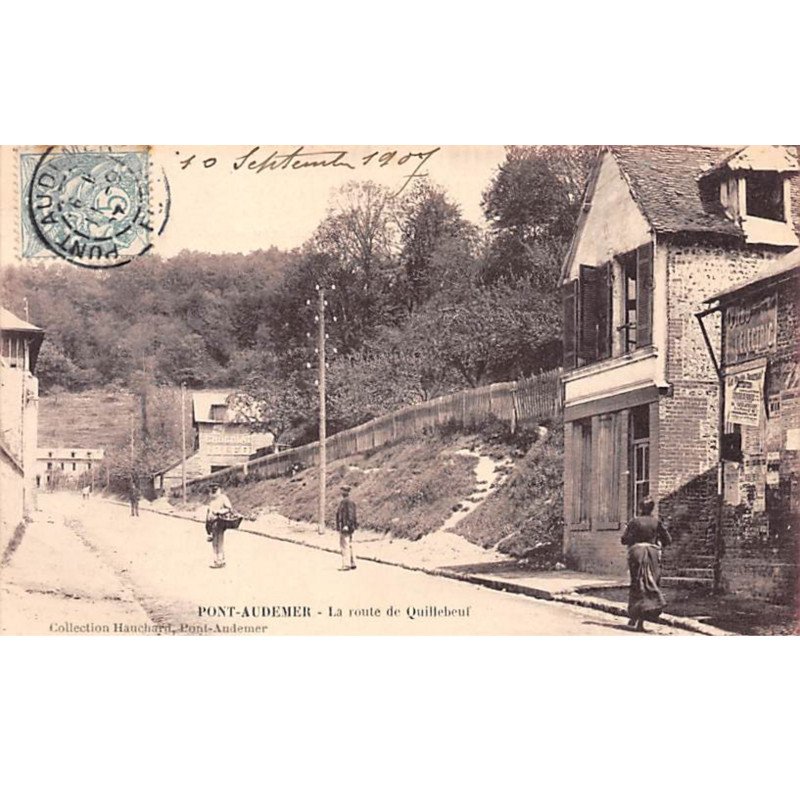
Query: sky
224	202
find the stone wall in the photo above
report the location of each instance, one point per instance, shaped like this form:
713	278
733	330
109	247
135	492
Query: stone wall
761	512
688	418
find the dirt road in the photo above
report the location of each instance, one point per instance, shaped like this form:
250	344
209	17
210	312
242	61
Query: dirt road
91	568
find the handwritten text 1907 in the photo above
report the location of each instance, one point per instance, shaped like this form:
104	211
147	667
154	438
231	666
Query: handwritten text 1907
258	161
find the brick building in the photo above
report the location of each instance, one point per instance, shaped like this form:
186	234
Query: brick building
222	438
19	395
759	508
660	230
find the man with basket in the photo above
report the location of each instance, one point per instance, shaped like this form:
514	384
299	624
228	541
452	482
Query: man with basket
219	517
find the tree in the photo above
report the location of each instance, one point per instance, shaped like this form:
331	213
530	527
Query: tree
433	236
531	206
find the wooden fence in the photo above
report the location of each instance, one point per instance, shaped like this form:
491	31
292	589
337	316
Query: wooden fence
531	399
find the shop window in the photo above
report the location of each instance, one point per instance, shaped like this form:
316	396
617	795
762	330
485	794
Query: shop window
765	195
582	487
639	456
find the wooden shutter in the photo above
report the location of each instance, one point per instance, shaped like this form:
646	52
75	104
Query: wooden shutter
644	295
604	286
570	298
608	447
590	303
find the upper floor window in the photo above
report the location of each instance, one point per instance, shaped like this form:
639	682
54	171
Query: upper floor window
14	350
608	310
764	196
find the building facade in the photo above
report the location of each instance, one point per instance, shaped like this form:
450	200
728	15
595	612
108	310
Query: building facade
759	510
222	438
19	395
660	230
67	466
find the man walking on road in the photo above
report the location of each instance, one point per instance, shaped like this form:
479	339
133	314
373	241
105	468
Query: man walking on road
346	524
134	494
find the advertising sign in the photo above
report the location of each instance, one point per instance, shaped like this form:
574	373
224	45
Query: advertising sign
751	329
744	397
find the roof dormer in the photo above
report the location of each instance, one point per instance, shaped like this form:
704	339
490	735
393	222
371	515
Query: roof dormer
754	190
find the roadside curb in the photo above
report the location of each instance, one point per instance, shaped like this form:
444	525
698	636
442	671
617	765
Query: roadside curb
568	598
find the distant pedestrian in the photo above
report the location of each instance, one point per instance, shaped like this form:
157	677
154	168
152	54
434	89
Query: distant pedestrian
218	506
134	494
346	524
645	536
85	492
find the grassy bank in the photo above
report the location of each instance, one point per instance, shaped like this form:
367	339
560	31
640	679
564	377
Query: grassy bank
407	489
524	517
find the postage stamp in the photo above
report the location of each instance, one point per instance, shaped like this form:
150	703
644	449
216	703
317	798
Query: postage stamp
93	207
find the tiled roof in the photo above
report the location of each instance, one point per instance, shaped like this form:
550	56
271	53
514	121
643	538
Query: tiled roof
665	181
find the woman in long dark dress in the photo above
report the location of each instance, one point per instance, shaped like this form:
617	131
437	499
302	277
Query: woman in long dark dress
645	536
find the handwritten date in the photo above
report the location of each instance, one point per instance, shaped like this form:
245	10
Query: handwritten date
258	161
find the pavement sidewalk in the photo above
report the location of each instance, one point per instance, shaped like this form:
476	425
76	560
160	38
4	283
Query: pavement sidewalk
450	558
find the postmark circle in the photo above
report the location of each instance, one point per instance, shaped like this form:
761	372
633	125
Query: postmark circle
92	208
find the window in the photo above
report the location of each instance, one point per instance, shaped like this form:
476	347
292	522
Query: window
49	465
640	455
590	316
635	325
582	470
62	466
73	466
628	326
72	454
218	413
764	196
13	349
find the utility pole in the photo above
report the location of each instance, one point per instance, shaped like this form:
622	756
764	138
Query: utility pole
183	439
133	452
322	420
